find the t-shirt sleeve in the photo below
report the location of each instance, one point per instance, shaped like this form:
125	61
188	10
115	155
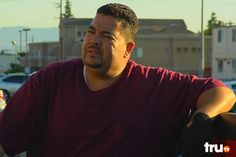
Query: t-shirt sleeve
203	84
207	83
190	87
181	92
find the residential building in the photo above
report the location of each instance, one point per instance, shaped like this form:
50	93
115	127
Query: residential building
224	52
41	54
72	32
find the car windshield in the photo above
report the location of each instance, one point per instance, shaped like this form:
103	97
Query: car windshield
15	79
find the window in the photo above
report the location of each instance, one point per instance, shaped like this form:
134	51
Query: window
140	52
233	86
185	49
220	65
219	36
234	35
37	53
137	53
234	65
178	49
194	49
199	49
78	34
15	79
167	50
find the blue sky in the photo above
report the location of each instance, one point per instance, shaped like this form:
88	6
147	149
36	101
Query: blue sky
43	13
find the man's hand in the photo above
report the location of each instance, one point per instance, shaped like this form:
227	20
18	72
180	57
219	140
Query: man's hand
194	137
2	101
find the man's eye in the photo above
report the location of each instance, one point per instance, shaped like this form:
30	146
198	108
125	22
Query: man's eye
108	37
90	31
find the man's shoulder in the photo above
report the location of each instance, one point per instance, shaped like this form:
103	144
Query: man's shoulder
68	64
60	68
159	73
147	69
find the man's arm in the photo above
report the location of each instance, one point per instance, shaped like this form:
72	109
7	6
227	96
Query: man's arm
210	103
1	151
215	101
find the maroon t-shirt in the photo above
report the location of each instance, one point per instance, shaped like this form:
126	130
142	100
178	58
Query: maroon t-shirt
141	115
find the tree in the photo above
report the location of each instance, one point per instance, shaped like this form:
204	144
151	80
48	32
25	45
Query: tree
15	68
68	13
213	22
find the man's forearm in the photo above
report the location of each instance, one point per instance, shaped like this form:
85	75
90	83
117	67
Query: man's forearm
215	101
1	151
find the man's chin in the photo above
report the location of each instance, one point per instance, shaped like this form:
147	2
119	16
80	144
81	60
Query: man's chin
93	65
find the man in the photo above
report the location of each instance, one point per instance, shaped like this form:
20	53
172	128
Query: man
105	105
2	101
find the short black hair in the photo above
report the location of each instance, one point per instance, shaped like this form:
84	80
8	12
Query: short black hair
123	13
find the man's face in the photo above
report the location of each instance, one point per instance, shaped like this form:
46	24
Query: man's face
104	45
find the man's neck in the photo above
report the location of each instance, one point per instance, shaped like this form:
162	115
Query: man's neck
97	81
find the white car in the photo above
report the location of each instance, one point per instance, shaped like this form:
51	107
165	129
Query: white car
11	82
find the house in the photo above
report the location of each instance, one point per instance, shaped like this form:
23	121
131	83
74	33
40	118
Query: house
40	55
72	32
224	52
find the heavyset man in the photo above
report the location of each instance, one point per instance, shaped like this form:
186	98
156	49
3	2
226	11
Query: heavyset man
104	104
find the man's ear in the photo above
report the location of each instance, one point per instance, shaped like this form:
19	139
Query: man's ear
129	48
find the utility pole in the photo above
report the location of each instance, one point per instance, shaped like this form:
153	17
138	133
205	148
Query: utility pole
26	39
60	9
61	55
202	69
20	41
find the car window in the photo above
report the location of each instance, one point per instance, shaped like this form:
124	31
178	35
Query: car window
15	79
233	86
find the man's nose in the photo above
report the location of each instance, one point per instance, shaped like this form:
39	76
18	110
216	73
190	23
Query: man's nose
96	39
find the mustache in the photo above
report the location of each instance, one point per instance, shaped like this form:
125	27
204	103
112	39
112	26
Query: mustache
93	46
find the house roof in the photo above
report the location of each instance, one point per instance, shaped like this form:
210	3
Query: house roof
154	26
75	21
174	28
162	22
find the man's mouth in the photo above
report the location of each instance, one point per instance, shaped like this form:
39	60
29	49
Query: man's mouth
93	51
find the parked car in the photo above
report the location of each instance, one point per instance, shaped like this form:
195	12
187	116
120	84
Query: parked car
11	82
231	84
1	75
